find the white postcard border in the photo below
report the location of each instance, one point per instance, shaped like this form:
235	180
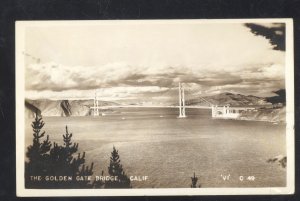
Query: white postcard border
20	120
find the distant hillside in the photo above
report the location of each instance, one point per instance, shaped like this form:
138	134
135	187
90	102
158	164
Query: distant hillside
230	99
271	115
61	107
82	107
271	109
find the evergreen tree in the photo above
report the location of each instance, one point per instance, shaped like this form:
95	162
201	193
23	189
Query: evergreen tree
63	163
46	160
99	183
37	153
194	181
115	169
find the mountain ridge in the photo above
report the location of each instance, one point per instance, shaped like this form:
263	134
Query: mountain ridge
227	98
48	107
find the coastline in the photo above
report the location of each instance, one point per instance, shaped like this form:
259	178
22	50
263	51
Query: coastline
272	115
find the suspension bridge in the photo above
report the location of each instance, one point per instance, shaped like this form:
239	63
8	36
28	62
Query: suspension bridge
217	111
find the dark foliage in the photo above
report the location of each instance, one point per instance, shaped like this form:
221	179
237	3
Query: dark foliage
99	183
194	181
45	160
37	153
275	34
115	169
280	98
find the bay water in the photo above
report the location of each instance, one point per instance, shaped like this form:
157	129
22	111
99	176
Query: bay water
154	142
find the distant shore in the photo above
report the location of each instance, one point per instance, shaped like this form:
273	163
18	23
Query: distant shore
57	108
273	115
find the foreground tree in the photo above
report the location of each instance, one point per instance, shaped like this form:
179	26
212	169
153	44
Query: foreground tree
37	153
45	160
194	181
115	169
63	163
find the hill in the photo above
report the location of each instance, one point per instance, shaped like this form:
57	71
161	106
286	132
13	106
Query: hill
266	110
270	109
61	107
230	99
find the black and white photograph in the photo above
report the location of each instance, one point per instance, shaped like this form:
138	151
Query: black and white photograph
154	107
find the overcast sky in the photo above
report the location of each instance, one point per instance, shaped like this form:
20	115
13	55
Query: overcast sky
147	61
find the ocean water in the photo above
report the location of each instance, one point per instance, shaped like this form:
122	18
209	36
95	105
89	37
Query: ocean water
155	143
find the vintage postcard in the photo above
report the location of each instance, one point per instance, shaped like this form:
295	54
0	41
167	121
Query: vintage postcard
154	107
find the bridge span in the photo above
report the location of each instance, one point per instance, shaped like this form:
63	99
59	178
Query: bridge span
217	111
164	106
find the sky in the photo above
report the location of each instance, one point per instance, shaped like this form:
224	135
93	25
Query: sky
144	62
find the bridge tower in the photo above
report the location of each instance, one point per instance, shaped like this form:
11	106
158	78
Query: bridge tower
181	102
96	105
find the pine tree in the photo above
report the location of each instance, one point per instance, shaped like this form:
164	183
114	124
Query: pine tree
37	153
47	160
61	156
63	163
99	183
115	169
38	149
194	181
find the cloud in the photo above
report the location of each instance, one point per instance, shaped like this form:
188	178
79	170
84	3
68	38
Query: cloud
116	83
148	61
107	94
57	77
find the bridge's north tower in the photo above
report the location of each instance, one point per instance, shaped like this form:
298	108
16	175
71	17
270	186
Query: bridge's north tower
181	102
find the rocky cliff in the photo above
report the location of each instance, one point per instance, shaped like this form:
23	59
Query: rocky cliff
31	110
60	107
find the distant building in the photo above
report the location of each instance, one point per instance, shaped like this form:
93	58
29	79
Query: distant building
227	112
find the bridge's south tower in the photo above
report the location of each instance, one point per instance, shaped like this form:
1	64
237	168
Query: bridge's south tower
181	102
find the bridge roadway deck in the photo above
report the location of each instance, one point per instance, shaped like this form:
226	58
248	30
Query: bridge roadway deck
168	106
